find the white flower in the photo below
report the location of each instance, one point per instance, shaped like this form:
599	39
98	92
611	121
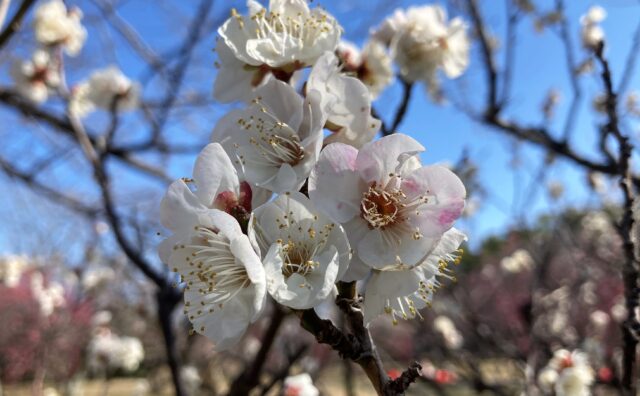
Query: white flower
102	89
109	351
445	326
191	379
101	318
49	296
401	291
55	25
372	66
304	253
394	210
287	36
276	140
427	43
391	27
518	261
376	70
33	78
574	375
97	277
11	269
591	32
346	101
299	385
225	282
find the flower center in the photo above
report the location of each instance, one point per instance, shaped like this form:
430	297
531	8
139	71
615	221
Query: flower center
381	208
298	258
215	273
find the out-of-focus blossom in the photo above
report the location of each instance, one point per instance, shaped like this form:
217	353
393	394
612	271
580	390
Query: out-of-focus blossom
35	77
55	25
599	319
632	103
274	142
345	100
50	295
304	253
101	318
423	42
11	269
299	385
96	278
452	337
372	66
591	32
574	375
104	89
278	41
518	261
190	379
107	351
556	189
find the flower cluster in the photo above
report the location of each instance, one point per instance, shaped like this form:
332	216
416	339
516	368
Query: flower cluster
567	373
108	351
422	41
293	194
58	30
591	32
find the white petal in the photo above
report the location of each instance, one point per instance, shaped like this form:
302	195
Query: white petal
376	160
178	206
213	173
334	185
386	287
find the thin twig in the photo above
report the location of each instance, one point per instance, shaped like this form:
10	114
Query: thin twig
15	22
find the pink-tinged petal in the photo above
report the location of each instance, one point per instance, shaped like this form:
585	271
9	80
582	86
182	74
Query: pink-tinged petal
335	187
445	196
378	159
213	174
178	207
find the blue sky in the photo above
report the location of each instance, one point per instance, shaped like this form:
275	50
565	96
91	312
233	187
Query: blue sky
443	129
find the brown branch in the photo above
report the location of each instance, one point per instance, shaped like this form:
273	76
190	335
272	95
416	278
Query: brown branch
250	378
487	54
625	228
401	111
15	22
48	192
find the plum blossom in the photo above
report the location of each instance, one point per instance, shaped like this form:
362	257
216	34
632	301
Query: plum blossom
423	41
567	373
279	40
445	326
103	89
55	25
346	101
275	141
225	281
591	32
401	291
299	385
395	210
11	269
518	261
108	351
372	66
50	295
304	252
35	77
390	27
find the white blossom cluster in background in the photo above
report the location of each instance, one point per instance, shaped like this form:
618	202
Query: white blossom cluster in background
48	293
293	194
58	30
299	385
108	352
568	373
